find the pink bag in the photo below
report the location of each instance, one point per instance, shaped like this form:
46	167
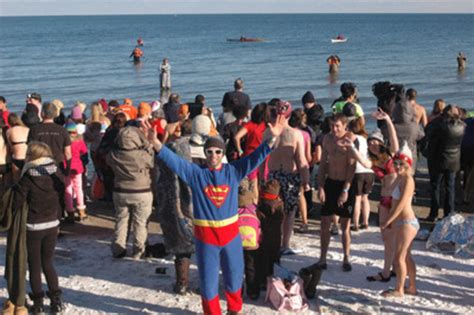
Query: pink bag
282	298
249	227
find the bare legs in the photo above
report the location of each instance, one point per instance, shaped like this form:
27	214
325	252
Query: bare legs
287	229
361	207
325	237
303	207
388	237
404	264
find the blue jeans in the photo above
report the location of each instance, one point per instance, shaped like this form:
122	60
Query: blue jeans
436	179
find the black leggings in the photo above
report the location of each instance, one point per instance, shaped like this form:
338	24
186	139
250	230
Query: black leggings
40	245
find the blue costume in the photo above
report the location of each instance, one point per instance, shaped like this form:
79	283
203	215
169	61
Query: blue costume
216	230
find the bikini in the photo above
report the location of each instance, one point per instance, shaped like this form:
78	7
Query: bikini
396	194
380	172
18	162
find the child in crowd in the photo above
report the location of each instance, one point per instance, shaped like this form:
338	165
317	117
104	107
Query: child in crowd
41	186
74	186
248	225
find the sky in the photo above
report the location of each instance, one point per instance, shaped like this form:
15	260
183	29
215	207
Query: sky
105	7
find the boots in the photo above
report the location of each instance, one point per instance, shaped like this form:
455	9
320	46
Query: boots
82	214
38	303
182	275
11	309
70	219
56	305
311	276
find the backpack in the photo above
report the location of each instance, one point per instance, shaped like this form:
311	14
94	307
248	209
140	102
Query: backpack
249	227
291	298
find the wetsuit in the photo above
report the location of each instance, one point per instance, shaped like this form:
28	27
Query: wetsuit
216	230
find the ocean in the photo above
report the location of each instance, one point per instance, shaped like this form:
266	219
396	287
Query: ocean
87	57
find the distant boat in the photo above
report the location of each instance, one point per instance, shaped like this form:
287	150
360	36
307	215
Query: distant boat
338	40
246	39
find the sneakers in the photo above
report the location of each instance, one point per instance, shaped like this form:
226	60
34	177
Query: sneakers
303	229
334	230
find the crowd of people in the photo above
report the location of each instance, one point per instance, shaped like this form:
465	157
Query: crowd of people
199	173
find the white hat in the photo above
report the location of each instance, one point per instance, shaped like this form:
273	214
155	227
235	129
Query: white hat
404	154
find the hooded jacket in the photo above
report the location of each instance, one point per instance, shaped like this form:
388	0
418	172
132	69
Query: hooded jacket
444	144
131	160
42	187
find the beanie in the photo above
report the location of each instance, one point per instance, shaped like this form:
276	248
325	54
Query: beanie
308	97
76	112
201	125
71	126
104	105
144	109
349	110
376	135
155	105
214	142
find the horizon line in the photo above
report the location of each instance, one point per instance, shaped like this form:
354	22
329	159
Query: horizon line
246	13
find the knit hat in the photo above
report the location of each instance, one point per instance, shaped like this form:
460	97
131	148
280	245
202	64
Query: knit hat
76	112
246	198
214	142
82	106
144	109
71	126
404	154
376	135
284	108
308	97
128	101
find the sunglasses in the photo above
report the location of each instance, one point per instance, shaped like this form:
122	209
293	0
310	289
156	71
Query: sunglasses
211	152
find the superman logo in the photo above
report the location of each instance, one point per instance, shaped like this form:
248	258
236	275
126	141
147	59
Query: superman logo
217	194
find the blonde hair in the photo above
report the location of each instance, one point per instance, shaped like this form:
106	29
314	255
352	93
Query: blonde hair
97	112
37	149
59	105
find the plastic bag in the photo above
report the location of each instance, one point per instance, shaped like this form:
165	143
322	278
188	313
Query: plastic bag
453	235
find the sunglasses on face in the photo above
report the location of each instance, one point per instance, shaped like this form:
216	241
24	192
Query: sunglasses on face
211	152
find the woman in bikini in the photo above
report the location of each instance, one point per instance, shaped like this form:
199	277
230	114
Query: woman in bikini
17	137
403	222
381	162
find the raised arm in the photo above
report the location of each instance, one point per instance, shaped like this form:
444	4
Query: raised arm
184	169
392	133
354	153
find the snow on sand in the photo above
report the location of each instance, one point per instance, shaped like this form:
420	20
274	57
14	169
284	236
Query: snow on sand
93	282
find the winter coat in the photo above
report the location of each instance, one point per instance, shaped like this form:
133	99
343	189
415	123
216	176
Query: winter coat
131	160
444	144
173	203
42	187
13	220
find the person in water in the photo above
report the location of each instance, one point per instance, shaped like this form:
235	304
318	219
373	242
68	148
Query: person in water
461	61
333	62
165	75
139	41
137	53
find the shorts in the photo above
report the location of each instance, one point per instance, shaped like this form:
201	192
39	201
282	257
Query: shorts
363	183
333	189
289	188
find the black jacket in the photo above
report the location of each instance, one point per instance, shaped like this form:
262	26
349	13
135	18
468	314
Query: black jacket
444	144
42	187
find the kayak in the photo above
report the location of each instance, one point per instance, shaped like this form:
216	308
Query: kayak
338	40
246	39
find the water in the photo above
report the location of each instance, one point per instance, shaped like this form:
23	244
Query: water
86	57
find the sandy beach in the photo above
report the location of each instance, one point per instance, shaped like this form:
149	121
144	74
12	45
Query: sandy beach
95	283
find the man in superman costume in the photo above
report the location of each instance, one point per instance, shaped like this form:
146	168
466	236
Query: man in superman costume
215	203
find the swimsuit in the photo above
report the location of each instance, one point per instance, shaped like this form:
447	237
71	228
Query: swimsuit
413	222
380	172
333	189
289	188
